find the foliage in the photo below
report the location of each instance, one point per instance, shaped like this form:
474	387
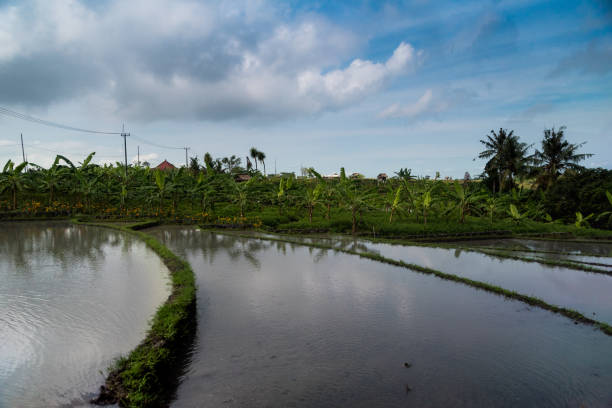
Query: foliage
556	156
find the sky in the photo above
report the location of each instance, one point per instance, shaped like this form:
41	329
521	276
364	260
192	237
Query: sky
371	86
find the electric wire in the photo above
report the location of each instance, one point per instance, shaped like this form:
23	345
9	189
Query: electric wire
23	116
155	144
69	153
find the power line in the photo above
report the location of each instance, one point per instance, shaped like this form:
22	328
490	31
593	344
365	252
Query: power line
67	153
23	116
156	145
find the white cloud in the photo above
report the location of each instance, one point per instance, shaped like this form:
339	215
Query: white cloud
5	142
360	78
162	59
145	157
419	107
430	103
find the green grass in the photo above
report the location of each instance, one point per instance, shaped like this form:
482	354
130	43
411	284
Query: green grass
148	375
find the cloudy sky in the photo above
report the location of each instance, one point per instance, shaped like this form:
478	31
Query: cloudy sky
371	86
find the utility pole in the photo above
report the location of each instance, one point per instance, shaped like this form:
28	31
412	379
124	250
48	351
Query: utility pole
138	156
22	150
124	136
186	161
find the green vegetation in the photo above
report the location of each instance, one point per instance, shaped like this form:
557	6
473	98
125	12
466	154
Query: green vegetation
149	374
562	197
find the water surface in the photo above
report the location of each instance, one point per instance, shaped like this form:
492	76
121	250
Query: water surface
586	292
72	299
284	325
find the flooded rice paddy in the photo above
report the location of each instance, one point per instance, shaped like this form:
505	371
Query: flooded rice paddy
588	293
282	324
72	299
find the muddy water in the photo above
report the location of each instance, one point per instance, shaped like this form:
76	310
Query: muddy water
72	298
284	325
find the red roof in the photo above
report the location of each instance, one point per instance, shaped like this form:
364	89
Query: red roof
165	165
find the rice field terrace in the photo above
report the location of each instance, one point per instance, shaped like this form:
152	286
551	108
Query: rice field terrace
202	287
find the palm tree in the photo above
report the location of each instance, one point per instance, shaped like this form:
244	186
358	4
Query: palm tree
557	155
507	158
12	178
254	155
261	156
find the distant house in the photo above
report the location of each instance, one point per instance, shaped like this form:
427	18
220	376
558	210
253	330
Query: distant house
332	176
382	177
165	165
242	177
355	176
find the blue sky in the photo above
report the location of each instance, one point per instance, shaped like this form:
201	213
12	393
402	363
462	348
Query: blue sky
371	86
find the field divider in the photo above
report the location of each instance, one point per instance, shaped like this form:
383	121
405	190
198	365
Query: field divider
148	375
530	300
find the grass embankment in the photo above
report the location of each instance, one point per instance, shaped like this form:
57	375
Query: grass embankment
148	376
530	300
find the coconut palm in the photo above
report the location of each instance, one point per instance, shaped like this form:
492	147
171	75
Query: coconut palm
261	156
556	156
507	156
254	155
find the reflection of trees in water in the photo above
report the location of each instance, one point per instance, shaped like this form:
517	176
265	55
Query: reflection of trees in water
208	244
20	242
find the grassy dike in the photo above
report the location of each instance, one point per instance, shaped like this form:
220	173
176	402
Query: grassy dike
530	300
148	376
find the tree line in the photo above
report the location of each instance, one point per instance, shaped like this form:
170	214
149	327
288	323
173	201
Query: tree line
211	193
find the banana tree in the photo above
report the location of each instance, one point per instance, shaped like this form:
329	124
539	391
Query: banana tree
491	206
466	202
311	199
280	195
50	179
395	203
241	194
514	213
12	179
353	199
582	221
160	183
607	214
328	192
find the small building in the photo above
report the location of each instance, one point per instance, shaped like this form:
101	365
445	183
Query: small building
356	176
382	177
333	176
165	165
242	177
